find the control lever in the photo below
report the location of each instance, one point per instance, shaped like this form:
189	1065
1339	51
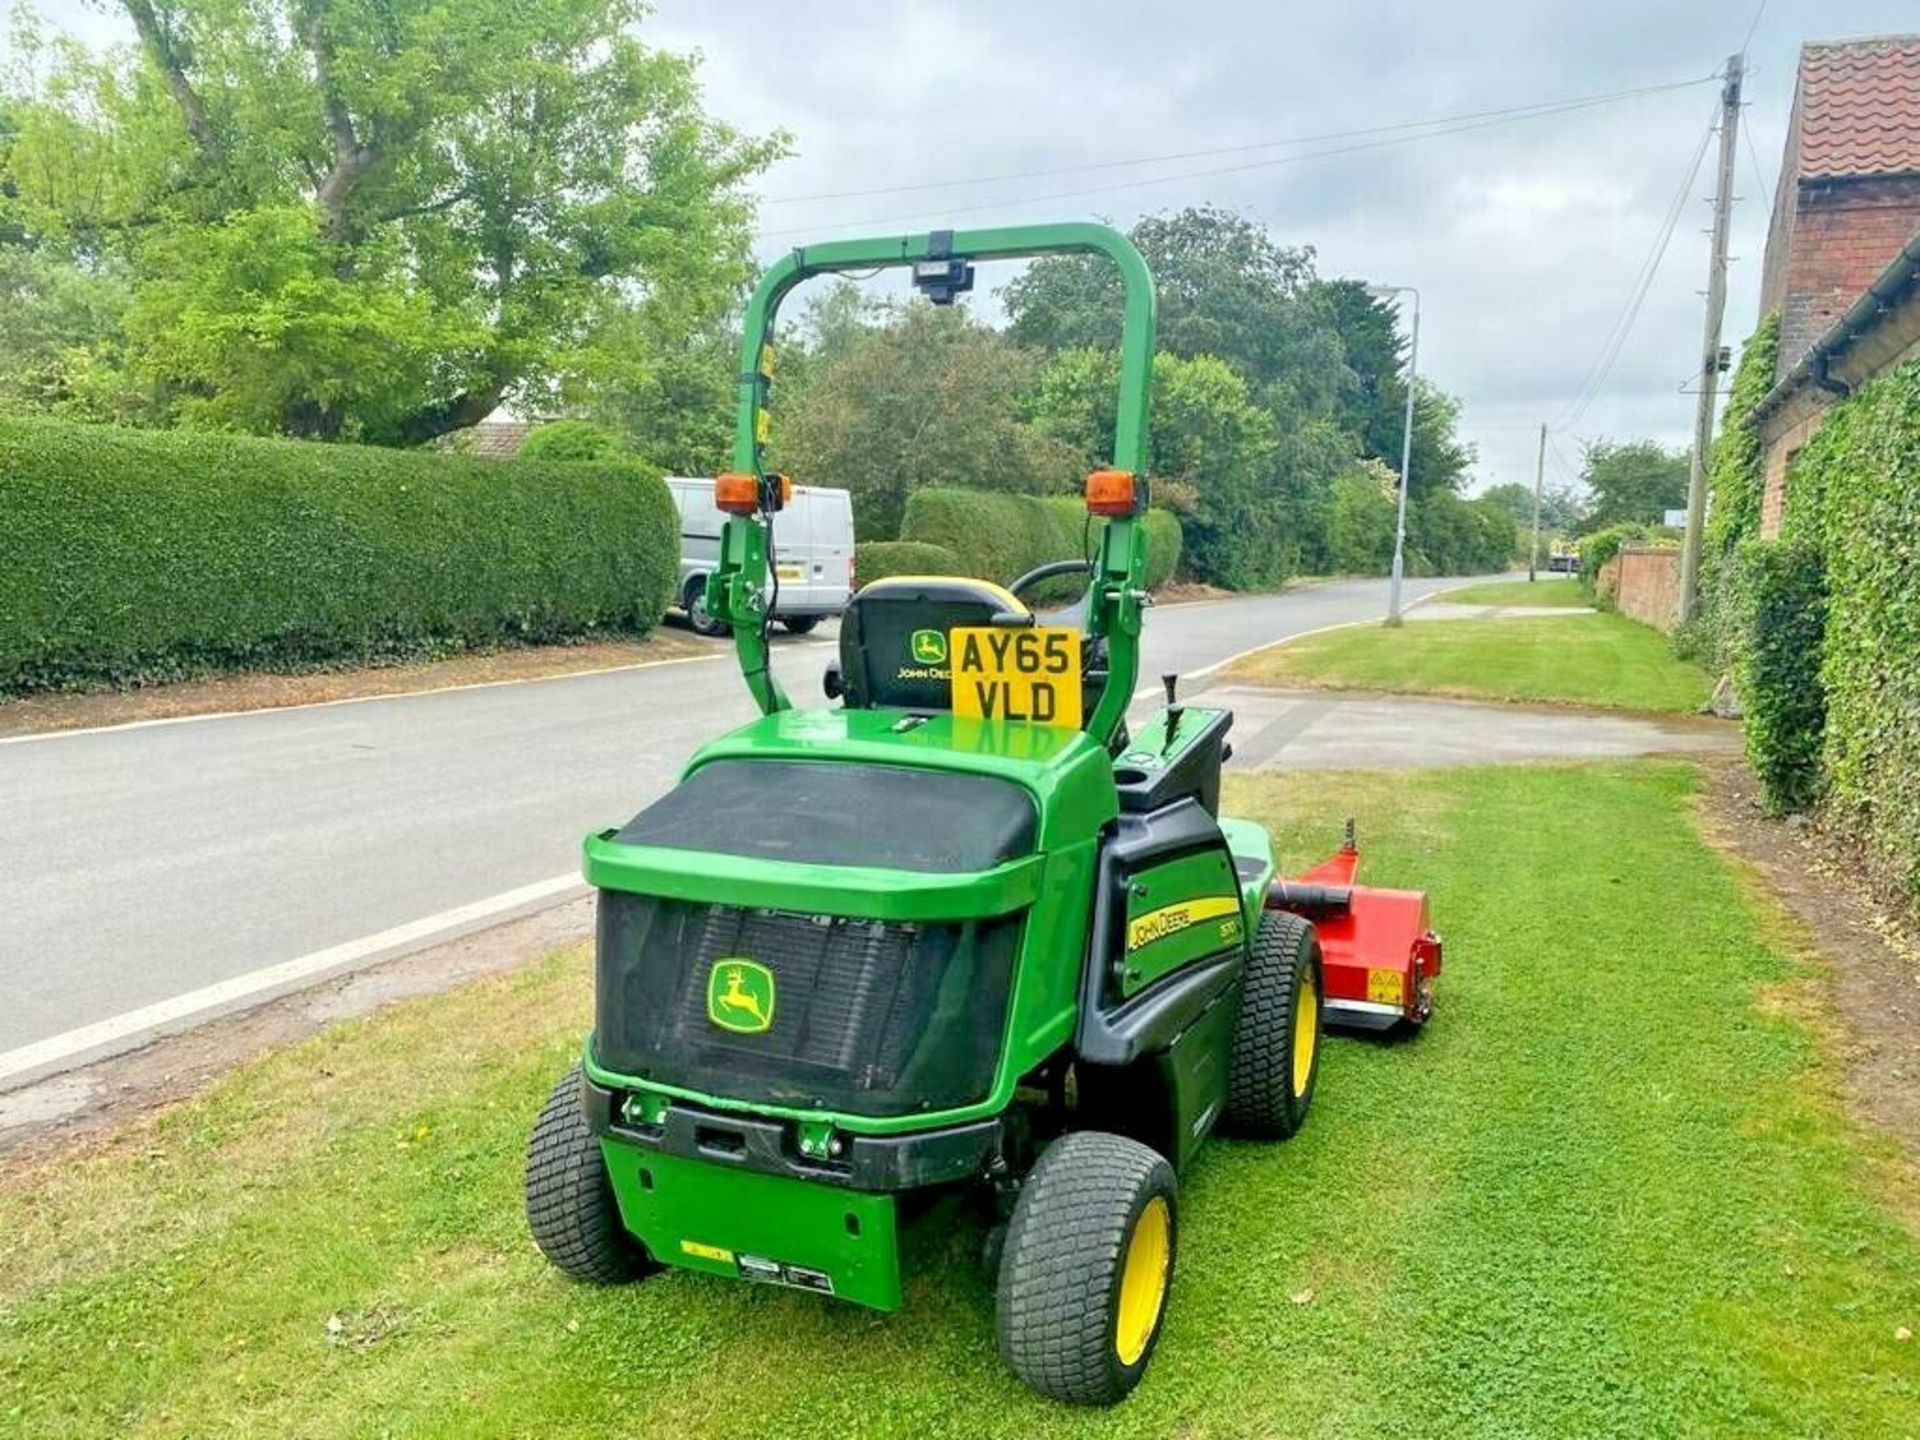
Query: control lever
1172	682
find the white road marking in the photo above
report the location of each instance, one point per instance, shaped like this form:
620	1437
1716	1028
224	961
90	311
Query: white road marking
358	699
1206	670
135	1026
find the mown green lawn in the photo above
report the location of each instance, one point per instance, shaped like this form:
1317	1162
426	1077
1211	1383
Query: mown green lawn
1555	590
1608	1193
1601	660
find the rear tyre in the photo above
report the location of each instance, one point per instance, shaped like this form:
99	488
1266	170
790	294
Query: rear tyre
1276	1042
570	1205
1086	1267
698	616
800	624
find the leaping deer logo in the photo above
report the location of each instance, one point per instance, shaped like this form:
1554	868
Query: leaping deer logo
740	996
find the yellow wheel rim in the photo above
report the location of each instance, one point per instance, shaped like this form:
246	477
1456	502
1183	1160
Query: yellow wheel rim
1306	1035
1143	1281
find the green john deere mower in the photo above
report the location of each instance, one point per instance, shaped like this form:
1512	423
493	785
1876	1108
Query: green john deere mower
959	931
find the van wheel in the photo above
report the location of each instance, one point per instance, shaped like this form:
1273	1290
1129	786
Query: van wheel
698	616
800	624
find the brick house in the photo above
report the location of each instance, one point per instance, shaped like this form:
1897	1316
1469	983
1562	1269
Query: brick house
1843	250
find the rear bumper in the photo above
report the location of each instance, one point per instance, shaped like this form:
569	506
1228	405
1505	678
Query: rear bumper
876	1164
709	1217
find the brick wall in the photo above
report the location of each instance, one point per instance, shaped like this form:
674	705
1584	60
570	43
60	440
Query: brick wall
1843	234
1644	583
1894	340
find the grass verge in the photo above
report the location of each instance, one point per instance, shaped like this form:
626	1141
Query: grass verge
1558	591
1603	660
1609	1192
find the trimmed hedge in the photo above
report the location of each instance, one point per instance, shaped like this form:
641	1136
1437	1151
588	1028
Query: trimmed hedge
572	440
1601	546
879	559
1000	537
1854	494
1782	624
140	555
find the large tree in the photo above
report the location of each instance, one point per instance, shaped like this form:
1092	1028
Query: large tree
1226	289
927	397
380	218
1249	495
1633	481
1375	352
1559	504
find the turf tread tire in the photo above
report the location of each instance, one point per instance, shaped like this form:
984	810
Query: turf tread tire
1261	1104
1060	1267
570	1206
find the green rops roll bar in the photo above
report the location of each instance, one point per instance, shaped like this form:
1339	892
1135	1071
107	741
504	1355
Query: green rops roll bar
736	590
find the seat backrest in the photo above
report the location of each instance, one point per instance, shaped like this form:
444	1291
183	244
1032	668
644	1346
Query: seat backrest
893	637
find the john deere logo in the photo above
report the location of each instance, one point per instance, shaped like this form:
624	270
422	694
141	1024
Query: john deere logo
929	647
740	996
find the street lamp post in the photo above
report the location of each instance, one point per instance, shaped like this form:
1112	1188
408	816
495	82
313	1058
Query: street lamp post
1386	292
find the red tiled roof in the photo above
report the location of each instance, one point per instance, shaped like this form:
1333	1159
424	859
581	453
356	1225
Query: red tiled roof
1859	106
490	439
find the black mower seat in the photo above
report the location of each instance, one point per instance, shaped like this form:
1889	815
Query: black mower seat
893	637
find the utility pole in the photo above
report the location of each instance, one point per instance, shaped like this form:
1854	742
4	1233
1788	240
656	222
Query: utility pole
1710	345
1539	478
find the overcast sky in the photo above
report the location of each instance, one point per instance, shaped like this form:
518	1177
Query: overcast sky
1524	238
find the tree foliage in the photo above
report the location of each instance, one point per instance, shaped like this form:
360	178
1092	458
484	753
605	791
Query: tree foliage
376	219
1225	288
1259	409
1734	489
1247	494
1631	482
1376	355
930	398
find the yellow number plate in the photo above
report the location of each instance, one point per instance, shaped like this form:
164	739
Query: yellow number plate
791	572
1006	674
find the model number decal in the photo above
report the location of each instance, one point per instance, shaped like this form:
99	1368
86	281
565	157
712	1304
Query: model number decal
1143	930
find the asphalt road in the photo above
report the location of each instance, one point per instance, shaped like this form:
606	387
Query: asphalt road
140	864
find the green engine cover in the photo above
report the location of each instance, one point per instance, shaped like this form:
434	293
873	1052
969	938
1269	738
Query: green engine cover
1179	912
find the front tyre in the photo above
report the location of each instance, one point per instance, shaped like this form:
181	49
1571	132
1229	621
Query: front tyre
570	1205
800	624
1086	1268
1276	1041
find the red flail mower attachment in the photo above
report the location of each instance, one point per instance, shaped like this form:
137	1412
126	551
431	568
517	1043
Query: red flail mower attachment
1378	953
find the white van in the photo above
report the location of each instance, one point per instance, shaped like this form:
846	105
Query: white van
812	553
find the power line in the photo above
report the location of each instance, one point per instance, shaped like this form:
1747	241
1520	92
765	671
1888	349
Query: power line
1545	107
890	221
1553	449
1759	171
1649	268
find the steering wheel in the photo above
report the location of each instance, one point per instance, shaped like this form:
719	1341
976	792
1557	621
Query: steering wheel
1050	571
